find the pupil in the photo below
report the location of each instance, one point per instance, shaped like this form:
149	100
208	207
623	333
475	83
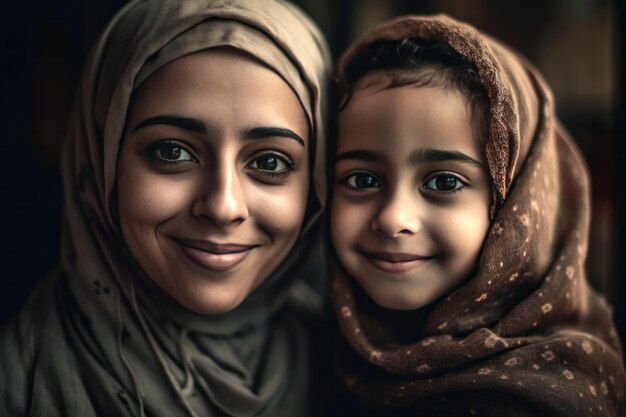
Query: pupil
170	152
446	183
268	163
365	181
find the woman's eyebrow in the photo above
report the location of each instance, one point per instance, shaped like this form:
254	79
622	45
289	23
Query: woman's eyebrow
272	132
435	155
197	126
187	123
363	155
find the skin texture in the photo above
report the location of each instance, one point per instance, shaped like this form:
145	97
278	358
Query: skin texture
397	226
230	168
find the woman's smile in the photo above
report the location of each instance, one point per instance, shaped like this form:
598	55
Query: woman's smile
215	256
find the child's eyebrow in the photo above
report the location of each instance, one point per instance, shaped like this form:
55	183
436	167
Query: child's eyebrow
435	155
363	155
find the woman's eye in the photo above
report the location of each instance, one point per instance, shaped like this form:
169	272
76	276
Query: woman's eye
171	152
269	163
362	180
271	168
446	183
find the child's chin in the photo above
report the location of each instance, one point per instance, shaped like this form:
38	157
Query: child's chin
395	301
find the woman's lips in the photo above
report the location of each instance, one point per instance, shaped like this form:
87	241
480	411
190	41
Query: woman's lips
395	261
214	256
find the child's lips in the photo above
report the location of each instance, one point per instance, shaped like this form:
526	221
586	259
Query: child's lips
396	256
395	261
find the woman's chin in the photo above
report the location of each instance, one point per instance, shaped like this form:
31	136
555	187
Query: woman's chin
210	303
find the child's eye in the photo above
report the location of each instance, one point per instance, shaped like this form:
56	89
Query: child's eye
446	183
170	152
271	168
362	180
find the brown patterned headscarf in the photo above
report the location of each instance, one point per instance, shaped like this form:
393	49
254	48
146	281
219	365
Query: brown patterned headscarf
527	326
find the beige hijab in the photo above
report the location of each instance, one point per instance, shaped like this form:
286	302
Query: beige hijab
527	327
95	338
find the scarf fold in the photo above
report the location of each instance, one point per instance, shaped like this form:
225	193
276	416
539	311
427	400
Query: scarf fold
527	324
97	337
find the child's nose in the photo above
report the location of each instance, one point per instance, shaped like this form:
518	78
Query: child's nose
221	199
398	217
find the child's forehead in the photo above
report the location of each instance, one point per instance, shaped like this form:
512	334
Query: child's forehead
374	79
428	78
400	121
406	112
386	78
379	80
396	83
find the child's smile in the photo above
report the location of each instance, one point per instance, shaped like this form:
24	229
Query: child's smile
395	261
411	201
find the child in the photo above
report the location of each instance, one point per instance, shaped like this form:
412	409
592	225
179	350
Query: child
459	221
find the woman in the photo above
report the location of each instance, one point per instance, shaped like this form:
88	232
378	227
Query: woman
192	171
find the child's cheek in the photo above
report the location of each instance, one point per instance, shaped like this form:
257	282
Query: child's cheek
463	231
349	223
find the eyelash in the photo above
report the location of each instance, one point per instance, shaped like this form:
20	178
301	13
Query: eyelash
461	184
269	177
272	176
155	148
354	175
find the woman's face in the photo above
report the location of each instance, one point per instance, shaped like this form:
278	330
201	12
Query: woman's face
213	177
411	199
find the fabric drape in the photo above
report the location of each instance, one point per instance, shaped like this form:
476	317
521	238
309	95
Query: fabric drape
99	338
527	325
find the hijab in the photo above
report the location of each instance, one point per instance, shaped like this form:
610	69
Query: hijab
527	326
97	339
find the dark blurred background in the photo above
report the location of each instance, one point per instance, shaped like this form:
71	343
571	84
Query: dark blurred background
576	44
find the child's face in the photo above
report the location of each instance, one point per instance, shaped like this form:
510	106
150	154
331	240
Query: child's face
411	201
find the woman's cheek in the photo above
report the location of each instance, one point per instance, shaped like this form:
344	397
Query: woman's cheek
280	209
152	198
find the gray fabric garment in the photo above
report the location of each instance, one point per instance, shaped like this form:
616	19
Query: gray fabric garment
97	338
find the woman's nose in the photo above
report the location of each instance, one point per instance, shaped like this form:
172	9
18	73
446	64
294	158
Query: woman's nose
399	216
221	198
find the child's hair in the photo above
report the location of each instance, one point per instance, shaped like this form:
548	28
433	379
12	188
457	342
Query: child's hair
421	63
